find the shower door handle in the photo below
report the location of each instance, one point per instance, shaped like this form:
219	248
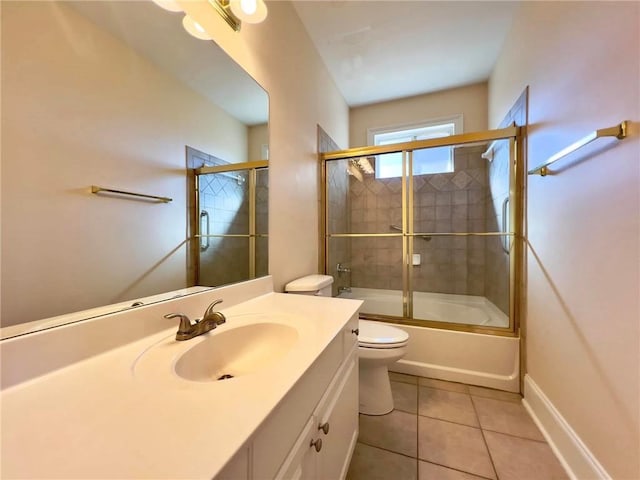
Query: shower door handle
204	244
505	222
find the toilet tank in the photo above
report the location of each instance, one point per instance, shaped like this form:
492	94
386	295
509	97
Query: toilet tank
319	285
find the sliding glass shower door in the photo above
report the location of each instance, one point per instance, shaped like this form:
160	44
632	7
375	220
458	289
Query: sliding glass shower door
425	232
461	237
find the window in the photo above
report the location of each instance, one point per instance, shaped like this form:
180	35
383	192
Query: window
427	161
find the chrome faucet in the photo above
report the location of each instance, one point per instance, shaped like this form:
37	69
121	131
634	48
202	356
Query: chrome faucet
188	330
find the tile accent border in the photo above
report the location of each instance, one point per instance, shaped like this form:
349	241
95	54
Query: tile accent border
572	453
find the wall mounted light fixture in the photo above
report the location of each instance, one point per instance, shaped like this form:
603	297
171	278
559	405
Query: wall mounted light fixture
235	12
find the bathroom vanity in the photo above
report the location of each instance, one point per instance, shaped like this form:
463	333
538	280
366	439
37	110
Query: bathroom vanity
118	397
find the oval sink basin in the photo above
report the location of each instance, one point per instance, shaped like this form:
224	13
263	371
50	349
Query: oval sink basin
235	352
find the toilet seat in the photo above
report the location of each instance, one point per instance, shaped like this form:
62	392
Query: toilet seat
379	335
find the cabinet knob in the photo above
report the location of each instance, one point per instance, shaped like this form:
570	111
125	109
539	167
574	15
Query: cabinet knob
324	427
317	444
356	331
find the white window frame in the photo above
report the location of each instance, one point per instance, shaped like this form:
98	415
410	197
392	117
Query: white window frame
418	129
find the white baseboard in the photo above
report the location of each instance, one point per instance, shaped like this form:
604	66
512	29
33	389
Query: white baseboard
572	453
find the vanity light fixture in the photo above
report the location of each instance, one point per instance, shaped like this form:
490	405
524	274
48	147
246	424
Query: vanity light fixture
194	28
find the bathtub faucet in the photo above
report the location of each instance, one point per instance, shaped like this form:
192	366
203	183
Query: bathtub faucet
340	268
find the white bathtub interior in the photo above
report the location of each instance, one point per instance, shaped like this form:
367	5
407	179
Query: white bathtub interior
438	307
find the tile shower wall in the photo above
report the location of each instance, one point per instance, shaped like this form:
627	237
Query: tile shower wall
227	202
444	202
339	221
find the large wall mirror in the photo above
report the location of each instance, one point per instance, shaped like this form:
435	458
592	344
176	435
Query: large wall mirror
115	95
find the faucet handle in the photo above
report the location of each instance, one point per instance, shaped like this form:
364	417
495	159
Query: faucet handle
219	317
213	304
185	323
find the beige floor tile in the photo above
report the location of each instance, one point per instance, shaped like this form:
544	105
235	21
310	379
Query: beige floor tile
495	394
506	417
371	463
521	459
403	377
452	445
445	405
405	397
430	471
443	385
395	431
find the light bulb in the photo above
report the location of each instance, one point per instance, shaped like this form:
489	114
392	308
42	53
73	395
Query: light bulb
194	28
250	11
248	6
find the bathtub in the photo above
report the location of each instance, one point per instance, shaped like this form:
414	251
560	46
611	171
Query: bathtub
439	307
473	358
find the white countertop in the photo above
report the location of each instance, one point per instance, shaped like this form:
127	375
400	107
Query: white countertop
114	416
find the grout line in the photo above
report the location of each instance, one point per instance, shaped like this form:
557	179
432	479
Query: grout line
455	469
515	436
493	465
478	427
387	450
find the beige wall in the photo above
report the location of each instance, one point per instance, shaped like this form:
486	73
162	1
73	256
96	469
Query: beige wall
582	62
70	119
471	101
280	56
258	136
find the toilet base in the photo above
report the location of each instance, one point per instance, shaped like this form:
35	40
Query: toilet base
375	390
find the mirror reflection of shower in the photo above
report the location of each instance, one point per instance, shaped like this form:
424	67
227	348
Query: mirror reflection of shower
231	227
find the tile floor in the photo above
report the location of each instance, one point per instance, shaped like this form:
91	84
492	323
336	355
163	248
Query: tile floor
451	431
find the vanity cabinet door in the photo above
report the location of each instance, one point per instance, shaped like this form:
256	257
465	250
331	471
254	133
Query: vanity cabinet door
350	334
341	416
302	461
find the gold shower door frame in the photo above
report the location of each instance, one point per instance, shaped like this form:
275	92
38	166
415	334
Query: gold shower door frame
515	230
252	168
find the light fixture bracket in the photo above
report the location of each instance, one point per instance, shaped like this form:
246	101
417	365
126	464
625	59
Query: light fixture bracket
222	7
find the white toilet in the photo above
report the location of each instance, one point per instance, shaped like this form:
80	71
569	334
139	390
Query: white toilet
379	345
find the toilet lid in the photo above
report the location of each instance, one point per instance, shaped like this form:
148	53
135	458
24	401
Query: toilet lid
380	335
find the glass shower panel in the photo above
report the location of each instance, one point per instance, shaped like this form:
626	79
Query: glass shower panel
225	198
225	261
224	210
462	279
371	271
470	196
360	199
262	222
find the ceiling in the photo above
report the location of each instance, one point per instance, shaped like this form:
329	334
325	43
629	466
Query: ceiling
384	50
